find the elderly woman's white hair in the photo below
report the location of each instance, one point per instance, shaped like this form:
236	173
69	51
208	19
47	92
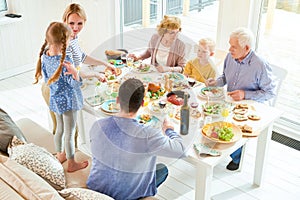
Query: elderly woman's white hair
244	37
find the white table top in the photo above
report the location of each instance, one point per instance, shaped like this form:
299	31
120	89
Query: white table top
268	115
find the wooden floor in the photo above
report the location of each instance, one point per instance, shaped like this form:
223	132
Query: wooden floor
21	99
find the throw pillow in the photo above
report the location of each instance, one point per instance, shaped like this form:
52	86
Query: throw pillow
24	182
8	129
82	194
40	161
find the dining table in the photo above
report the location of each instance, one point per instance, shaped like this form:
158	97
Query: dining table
95	96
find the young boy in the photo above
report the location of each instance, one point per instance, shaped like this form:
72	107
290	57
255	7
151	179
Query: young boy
200	68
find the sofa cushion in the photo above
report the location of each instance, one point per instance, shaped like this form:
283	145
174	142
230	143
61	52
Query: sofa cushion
40	161
8	129
6	192
36	134
83	194
27	183
78	178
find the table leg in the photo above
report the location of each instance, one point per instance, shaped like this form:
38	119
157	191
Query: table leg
261	154
204	176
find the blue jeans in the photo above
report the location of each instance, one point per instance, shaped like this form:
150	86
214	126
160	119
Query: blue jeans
236	156
161	174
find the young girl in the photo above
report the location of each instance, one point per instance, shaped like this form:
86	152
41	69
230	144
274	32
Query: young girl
65	94
200	67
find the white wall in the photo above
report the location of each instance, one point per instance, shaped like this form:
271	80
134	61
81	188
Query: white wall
20	41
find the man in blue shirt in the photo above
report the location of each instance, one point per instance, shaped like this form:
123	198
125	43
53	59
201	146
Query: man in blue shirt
246	75
124	151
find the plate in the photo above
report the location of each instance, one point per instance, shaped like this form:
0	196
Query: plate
235	130
144	118
155	108
117	63
110	106
211	92
95	100
176	77
143	68
213	109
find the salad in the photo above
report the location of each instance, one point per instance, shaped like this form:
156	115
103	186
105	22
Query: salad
223	133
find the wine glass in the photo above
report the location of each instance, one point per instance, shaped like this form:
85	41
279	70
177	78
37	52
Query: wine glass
191	80
124	58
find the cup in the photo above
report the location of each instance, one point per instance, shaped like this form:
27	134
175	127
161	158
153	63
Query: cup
191	81
207	120
162	104
124	57
129	61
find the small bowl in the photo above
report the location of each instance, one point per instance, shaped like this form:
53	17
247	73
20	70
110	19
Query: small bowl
162	104
116	57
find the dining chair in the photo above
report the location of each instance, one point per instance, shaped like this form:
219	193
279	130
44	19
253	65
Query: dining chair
279	74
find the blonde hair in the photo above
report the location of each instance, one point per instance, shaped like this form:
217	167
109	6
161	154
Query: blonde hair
57	34
210	43
244	36
168	23
74	8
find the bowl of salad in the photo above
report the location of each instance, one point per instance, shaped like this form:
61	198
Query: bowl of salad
221	132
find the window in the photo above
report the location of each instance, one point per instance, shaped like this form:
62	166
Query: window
279	43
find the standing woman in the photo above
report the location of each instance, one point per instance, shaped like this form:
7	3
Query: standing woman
165	49
75	17
65	95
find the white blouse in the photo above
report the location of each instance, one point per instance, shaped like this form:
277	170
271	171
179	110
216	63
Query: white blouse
162	55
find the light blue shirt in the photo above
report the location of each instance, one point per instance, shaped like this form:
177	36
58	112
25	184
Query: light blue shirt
252	74
65	93
124	157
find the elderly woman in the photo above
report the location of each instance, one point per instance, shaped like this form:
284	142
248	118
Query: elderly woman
165	49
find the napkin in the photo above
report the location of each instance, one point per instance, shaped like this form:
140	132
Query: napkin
204	150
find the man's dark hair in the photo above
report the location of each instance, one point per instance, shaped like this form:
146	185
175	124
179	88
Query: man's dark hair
131	94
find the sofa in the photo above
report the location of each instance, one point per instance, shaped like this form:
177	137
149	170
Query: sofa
19	182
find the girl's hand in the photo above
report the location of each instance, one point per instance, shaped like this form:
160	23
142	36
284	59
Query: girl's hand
70	68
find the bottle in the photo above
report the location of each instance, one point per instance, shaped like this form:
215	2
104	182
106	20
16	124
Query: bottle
184	116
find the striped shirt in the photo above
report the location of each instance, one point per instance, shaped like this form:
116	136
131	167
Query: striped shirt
252	74
75	52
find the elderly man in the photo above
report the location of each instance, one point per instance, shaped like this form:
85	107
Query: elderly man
247	76
124	152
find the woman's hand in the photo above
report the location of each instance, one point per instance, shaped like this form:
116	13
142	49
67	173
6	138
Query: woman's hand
162	69
101	77
135	58
111	68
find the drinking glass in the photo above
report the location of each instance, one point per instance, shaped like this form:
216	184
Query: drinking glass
124	58
191	80
225	112
129	61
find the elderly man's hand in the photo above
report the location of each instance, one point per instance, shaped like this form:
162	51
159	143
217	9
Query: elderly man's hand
237	95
